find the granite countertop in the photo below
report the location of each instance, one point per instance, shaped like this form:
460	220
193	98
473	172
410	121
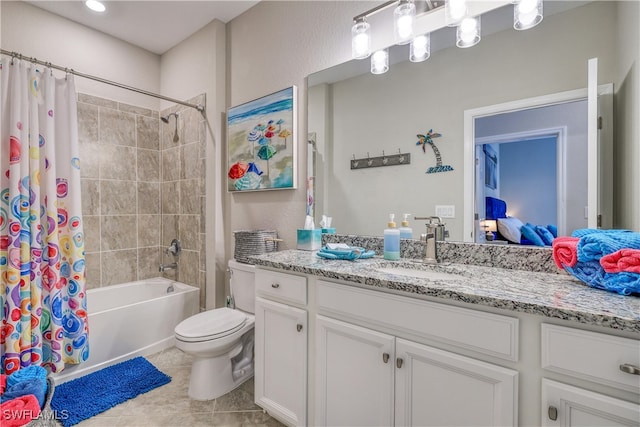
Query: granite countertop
550	295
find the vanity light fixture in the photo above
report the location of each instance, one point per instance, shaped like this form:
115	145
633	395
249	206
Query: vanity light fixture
454	12
527	14
380	62
420	48
468	32
95	5
403	18
360	38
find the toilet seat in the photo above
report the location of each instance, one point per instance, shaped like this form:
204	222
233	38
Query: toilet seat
210	325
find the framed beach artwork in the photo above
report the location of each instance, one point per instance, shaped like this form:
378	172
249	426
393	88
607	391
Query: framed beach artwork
261	143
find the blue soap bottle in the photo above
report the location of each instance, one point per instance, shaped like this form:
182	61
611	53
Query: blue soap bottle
391	240
406	232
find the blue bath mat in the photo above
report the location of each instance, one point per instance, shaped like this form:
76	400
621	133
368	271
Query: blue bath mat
92	394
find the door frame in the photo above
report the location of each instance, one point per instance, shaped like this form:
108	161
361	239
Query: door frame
469	170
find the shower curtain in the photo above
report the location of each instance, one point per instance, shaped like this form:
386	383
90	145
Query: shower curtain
44	315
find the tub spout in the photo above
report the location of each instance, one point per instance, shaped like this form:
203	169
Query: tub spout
165	267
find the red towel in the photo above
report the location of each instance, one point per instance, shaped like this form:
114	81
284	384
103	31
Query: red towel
19	411
624	260
3	383
565	252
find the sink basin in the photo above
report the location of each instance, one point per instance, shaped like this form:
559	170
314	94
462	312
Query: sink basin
428	273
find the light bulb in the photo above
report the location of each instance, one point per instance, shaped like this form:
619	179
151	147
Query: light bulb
95	5
360	40
380	62
455	11
404	16
527	14
468	32
420	48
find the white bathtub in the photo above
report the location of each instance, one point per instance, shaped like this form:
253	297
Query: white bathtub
132	319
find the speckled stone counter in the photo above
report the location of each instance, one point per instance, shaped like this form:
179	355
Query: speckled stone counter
545	294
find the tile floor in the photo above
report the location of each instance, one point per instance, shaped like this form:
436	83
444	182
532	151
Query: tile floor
169	405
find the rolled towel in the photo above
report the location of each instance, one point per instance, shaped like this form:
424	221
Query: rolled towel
3	383
32	371
596	245
19	411
624	260
565	251
34	386
581	232
622	283
590	272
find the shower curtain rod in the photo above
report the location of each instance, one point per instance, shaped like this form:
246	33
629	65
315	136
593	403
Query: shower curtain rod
100	79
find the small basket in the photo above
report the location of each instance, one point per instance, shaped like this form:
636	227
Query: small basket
47	416
254	242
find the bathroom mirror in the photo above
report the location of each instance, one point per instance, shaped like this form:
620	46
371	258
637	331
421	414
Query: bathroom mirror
354	114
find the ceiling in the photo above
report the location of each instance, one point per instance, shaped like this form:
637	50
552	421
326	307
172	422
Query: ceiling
153	25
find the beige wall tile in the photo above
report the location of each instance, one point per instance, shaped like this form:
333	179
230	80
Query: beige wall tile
190	163
118	232
148	165
170	197
148	198
189	273
101	102
118	197
118	162
169	229
148	132
119	267
141	111
117	127
148	263
148	230
188	227
91	228
190	196
171	164
89	159
92	270
87	123
90	194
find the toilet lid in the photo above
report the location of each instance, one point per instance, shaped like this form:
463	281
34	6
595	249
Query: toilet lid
210	324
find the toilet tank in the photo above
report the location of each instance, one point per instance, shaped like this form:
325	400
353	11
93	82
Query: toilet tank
242	285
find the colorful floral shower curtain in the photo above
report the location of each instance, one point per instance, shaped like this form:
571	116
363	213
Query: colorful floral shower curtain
44	315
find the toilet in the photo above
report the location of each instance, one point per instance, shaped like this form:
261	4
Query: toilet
221	340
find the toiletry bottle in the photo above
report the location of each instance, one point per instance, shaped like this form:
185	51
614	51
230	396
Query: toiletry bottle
391	240
406	232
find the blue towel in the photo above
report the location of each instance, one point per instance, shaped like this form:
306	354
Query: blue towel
623	283
590	272
353	253
34	386
581	232
594	246
32	371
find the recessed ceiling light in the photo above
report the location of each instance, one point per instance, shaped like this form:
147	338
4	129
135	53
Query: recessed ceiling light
95	5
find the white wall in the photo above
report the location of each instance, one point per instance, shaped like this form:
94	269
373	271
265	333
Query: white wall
34	32
198	65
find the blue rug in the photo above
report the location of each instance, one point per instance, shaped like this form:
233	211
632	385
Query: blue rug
92	394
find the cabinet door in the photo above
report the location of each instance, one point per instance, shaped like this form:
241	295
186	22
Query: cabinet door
439	388
281	361
564	405
354	371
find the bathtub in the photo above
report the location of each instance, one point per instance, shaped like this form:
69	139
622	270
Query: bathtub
132	319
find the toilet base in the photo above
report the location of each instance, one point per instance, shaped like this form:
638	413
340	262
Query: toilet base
212	378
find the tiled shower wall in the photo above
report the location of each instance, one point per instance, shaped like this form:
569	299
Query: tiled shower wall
140	190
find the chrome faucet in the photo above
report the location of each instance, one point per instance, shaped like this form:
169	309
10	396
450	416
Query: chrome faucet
435	233
165	267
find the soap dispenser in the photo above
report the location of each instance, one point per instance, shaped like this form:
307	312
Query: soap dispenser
391	240
406	232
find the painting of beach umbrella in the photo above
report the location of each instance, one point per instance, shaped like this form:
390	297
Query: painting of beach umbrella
266	152
237	170
255	131
285	133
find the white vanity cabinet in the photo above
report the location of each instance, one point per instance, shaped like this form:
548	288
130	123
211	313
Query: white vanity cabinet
281	346
600	359
368	377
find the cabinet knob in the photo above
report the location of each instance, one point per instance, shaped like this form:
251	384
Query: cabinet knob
630	369
553	413
399	362
385	357
299	327
275	285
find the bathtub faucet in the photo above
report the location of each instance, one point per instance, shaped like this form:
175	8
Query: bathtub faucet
165	267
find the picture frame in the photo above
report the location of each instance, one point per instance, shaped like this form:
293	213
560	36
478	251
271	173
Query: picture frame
261	143
490	167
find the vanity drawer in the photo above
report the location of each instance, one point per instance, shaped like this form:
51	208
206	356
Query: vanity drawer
591	356
286	287
478	331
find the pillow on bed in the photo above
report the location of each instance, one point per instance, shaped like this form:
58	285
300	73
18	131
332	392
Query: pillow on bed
545	235
510	228
530	234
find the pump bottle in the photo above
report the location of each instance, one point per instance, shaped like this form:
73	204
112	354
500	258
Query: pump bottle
406	232
391	240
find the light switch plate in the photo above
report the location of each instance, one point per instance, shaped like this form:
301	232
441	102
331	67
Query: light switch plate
446	211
